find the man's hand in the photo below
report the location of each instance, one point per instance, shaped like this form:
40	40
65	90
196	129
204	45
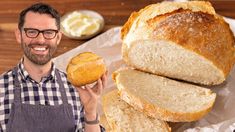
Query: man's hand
89	96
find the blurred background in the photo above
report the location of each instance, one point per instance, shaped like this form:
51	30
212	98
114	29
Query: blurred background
115	13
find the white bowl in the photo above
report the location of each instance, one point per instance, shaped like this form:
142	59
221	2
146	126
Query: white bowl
89	13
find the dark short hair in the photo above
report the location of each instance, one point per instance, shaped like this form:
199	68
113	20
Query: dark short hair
41	8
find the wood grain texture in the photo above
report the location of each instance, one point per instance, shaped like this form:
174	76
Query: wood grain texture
115	13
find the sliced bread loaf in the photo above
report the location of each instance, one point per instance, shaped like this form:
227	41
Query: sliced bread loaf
163	98
182	40
124	118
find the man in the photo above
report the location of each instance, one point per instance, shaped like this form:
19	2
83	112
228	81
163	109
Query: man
35	96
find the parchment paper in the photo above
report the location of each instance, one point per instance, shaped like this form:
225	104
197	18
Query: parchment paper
108	45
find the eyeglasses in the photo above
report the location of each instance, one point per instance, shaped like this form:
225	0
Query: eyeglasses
47	33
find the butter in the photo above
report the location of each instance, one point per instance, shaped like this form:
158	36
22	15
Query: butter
80	24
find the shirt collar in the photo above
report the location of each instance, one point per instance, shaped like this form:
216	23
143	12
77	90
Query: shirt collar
22	71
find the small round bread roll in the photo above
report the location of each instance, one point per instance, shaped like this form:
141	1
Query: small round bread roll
85	68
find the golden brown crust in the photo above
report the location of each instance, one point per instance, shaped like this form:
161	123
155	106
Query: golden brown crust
198	32
155	111
126	27
192	25
166	8
125	53
85	68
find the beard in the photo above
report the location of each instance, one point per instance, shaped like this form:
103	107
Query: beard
36	58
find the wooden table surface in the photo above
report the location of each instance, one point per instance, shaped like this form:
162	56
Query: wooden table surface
115	13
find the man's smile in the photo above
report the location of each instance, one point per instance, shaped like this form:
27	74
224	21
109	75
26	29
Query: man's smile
42	50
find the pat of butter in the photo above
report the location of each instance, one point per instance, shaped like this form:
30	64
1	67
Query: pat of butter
79	24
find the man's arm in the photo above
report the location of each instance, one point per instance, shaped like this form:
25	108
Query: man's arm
92	123
86	125
89	98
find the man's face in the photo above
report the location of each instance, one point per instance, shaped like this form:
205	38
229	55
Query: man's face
39	50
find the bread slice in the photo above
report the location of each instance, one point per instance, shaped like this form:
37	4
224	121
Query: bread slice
124	118
182	40
163	98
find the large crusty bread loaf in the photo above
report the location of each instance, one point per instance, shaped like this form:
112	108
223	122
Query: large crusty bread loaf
163	98
182	40
124	118
85	68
